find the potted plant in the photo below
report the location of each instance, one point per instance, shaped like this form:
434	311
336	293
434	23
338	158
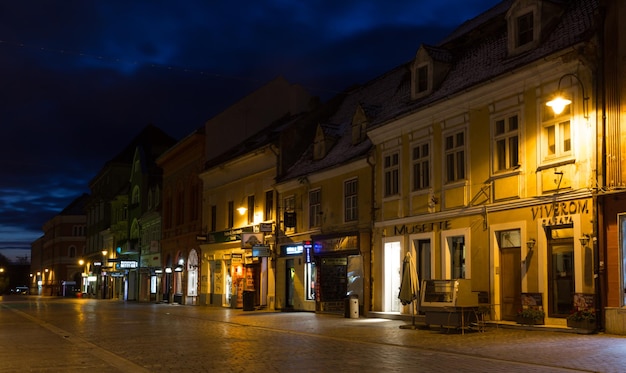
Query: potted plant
531	316
582	319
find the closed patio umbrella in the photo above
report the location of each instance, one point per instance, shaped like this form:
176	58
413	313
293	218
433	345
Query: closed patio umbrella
409	287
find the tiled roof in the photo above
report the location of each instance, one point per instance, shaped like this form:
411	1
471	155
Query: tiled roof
266	136
488	59
372	97
474	60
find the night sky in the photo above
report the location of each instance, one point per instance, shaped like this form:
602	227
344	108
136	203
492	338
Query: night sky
80	78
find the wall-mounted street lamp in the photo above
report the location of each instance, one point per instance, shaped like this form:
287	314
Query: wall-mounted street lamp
531	244
584	240
559	102
242	209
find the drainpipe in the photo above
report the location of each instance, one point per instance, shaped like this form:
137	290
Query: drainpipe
600	89
372	165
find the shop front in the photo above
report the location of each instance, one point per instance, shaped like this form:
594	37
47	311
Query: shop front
237	270
538	250
339	271
296	277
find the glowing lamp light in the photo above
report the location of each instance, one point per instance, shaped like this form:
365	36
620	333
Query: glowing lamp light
242	210
558	104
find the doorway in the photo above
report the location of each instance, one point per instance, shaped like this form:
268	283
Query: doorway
423	258
509	242
392	276
289	289
560	270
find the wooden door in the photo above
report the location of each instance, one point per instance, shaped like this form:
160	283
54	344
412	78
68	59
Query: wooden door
511	282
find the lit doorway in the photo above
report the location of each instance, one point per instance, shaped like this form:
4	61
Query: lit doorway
392	263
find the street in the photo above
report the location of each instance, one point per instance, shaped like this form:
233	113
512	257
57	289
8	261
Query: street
47	334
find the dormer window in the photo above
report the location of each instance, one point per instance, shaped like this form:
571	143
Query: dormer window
422	79
527	20
428	70
359	125
524	29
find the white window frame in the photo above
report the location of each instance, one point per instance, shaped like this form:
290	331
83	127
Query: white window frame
315	208
351	200
446	252
422	161
454	152
393	172
506	136
561	151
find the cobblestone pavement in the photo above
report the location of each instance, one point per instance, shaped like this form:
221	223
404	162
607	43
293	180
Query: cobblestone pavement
45	334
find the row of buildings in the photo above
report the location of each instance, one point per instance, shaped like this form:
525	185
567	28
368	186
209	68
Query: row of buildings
457	156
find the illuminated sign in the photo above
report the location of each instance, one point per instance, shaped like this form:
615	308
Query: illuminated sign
261	250
293	250
128	264
308	247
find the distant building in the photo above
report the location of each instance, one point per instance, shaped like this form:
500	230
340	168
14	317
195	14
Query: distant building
112	257
180	266
55	257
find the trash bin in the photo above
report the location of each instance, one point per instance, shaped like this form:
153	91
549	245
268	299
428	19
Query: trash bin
248	300
352	307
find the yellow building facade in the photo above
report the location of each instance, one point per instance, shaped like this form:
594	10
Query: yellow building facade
487	183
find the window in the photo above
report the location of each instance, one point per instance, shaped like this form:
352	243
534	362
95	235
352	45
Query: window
231	214
506	143
135	197
290	212
72	252
391	172
455	156
457	255
180	208
213	218
315	208
269	205
350	189
556	134
421	166
251	209
525	29
422	79
195	202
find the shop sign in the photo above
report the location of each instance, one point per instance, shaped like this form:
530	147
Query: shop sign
559	213
128	264
265	227
308	256
343	261
249	240
228	235
261	251
292	249
337	244
237	258
421	228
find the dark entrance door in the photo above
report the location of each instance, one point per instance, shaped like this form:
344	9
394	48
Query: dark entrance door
289	280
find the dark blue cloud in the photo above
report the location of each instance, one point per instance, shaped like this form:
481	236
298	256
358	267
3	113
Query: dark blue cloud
81	78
